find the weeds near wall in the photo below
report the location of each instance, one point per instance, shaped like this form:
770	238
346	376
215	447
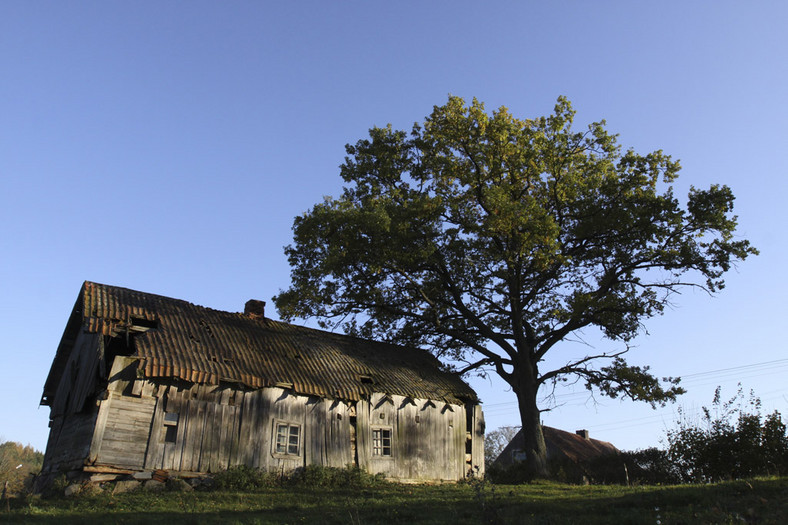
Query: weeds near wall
248	479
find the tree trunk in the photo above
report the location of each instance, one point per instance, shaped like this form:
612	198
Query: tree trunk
533	437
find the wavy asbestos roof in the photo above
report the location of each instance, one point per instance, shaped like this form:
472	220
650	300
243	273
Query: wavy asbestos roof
177	339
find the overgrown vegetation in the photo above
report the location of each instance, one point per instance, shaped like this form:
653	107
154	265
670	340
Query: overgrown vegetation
247	479
243	478
731	441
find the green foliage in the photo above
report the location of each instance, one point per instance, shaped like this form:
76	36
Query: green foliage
319	476
18	466
515	474
246	479
650	466
490	240
732	441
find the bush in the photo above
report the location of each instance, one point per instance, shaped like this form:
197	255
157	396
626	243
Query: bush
515	474
651	466
244	478
732	441
319	476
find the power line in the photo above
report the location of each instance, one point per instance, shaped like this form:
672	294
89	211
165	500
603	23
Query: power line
698	379
770	364
737	367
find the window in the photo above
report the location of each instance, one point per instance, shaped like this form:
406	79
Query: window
381	442
288	439
170	427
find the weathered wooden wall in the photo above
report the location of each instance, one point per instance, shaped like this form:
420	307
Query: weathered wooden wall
73	413
218	426
80	376
428	437
477	441
69	440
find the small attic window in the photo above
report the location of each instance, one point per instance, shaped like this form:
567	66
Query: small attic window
366	380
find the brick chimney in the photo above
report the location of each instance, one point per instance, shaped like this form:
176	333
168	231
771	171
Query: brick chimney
582	433
254	309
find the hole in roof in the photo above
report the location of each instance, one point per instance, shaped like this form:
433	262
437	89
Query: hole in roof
146	323
366	380
206	327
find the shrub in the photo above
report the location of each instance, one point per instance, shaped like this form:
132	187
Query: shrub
512	475
244	478
319	476
731	441
651	466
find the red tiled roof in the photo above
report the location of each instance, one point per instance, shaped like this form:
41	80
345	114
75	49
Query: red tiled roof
203	345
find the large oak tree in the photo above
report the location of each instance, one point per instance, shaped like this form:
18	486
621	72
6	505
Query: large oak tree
491	240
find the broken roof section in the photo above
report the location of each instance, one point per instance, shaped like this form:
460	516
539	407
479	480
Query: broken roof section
176	339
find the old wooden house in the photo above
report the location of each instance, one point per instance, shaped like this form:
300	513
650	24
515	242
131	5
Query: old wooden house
142	382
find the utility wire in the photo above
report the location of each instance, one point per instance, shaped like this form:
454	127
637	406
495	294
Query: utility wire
769	369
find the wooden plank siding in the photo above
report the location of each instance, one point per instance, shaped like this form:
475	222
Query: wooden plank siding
78	382
428	438
219	426
477	443
126	431
69	440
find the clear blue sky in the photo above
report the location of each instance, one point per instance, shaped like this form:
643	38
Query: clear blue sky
166	147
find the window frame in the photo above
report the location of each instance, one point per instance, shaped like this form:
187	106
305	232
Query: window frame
379	444
283	447
170	427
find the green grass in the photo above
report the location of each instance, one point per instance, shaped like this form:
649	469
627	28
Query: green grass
753	501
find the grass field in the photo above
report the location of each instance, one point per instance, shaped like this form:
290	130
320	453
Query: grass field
753	501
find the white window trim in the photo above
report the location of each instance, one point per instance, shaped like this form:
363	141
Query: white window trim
382	446
289	425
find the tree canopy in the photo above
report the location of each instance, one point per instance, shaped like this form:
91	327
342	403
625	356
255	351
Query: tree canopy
489	240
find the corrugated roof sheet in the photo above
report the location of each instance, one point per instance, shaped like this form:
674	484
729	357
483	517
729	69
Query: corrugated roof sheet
203	345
